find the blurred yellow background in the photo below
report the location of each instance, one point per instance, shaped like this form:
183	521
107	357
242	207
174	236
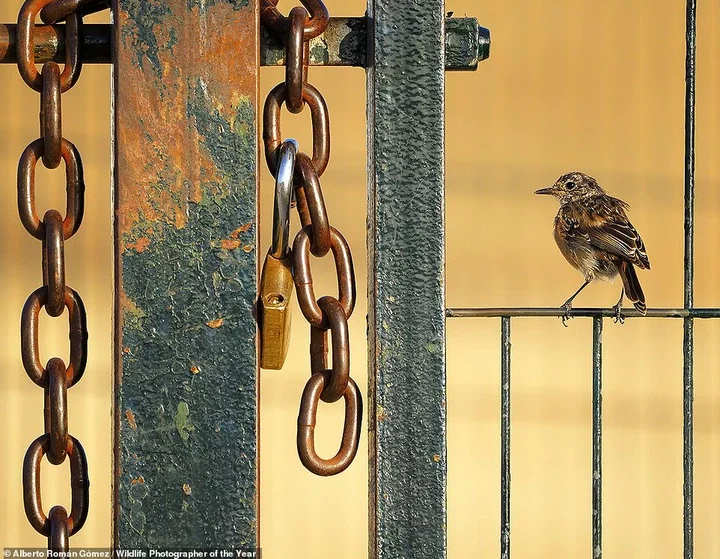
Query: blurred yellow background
571	85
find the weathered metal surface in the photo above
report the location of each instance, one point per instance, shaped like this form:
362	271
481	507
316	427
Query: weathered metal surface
597	439
505	349
343	44
406	307
688	277
186	273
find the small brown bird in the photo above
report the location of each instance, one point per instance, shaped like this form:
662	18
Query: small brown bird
596	237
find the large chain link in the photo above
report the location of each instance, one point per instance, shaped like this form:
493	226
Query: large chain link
54	295
316	237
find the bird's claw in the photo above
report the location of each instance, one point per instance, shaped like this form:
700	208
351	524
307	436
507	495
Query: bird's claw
566	307
618	315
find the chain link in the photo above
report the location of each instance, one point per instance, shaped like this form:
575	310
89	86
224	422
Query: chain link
302	272
297	60
311	207
272	134
316	237
60	9
54	295
26	47
316	25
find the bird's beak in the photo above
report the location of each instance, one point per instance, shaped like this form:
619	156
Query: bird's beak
549	190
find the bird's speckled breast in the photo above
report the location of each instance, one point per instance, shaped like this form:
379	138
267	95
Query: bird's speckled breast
577	250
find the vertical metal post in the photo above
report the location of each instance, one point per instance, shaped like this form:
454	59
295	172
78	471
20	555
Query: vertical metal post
689	267
406	212
597	439
505	439
185	147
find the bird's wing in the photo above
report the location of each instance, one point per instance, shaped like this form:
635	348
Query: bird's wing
609	229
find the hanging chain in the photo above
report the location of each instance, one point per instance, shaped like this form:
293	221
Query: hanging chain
316	237
54	295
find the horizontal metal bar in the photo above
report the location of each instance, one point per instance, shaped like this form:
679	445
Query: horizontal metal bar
344	43
473	312
50	43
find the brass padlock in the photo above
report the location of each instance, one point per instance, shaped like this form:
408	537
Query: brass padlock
276	282
276	289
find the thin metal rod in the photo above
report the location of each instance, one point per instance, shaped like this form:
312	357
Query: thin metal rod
505	440
489	312
688	457
689	260
597	439
689	269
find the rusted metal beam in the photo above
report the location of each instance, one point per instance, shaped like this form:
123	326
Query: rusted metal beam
185	199
343	44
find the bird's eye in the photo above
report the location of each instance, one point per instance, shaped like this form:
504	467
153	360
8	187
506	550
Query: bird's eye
570	185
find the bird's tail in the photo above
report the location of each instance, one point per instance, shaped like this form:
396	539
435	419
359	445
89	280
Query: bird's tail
632	286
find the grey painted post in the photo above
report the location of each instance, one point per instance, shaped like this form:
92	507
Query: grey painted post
406	278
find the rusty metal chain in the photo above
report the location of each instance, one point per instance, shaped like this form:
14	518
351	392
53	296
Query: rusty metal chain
60	9
317	237
55	296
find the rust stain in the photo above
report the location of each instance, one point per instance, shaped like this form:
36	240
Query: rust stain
137	480
230	244
381	415
217	323
130	416
242	229
126	350
140	245
436	458
195	369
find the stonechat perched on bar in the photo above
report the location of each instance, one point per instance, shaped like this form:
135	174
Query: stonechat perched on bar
596	237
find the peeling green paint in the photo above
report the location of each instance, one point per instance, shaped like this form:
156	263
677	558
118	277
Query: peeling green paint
230	143
146	15
182	421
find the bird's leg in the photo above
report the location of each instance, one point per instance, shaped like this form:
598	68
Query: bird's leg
618	308
567	305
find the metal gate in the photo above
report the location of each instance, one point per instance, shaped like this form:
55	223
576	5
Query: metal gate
186	275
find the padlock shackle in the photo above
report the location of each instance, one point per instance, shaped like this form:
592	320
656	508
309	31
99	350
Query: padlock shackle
283	199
